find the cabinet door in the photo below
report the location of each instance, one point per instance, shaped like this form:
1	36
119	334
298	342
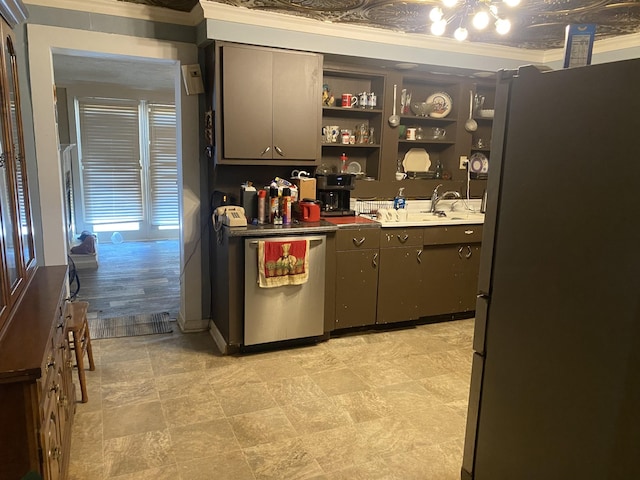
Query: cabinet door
399	284
25	230
356	288
296	105
450	279
247	102
440	277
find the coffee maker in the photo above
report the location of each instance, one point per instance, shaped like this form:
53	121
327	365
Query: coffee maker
334	193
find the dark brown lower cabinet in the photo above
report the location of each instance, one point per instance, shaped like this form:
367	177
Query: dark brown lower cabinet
400	278
357	263
400	284
451	260
356	288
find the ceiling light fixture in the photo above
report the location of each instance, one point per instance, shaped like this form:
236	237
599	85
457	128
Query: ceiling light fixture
478	13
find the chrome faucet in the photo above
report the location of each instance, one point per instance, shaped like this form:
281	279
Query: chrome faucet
435	198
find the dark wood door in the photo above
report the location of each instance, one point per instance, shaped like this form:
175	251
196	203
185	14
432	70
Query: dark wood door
247	102
356	288
296	105
399	284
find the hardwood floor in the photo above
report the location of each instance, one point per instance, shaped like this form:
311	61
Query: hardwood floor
133	278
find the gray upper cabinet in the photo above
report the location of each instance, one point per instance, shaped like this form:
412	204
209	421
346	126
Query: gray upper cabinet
270	105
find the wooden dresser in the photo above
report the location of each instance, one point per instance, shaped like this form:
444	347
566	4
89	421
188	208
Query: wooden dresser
37	394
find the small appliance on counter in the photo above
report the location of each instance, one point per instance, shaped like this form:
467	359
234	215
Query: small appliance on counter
307	210
334	193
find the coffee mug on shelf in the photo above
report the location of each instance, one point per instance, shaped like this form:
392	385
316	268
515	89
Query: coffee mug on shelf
348	100
400	176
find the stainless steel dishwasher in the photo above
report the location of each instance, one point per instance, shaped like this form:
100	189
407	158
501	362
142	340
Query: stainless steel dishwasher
286	312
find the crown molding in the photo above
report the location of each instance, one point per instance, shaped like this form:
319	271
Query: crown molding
125	9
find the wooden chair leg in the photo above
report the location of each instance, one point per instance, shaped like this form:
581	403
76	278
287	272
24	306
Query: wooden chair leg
77	343
92	365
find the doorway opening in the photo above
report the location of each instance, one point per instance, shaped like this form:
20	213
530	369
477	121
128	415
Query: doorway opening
121	174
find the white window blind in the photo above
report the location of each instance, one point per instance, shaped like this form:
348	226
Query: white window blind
110	157
163	165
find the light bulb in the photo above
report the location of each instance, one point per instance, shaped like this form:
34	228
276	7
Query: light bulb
481	20
460	34
512	3
449	3
438	28
435	15
503	26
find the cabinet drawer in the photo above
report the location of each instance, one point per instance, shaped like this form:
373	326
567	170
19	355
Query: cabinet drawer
453	234
401	237
357	239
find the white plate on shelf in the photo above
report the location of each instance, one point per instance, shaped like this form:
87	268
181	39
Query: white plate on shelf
416	160
479	163
354	167
442	104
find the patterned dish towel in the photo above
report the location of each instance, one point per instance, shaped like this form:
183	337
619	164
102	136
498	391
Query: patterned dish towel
283	263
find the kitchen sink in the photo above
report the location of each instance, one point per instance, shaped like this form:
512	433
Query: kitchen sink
418	218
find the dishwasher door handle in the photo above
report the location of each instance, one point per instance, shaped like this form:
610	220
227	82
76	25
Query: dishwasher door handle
291	237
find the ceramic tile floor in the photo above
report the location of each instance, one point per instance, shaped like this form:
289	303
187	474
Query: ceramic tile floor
381	405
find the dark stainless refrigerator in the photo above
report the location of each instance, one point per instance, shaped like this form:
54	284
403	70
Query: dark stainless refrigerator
555	388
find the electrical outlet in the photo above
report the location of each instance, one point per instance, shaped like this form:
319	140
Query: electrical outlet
463	162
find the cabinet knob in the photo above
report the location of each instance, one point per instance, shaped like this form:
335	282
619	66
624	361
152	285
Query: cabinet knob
266	150
357	242
54	389
55	453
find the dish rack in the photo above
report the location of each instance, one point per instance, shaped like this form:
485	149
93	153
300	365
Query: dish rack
371	207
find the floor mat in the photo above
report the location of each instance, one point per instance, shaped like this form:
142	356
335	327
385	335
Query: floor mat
130	325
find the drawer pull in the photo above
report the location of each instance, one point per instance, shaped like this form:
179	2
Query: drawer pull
279	151
374	261
468	232
357	242
55	453
469	252
265	151
460	252
403	238
419	256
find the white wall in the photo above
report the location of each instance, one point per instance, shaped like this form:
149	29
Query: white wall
46	40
